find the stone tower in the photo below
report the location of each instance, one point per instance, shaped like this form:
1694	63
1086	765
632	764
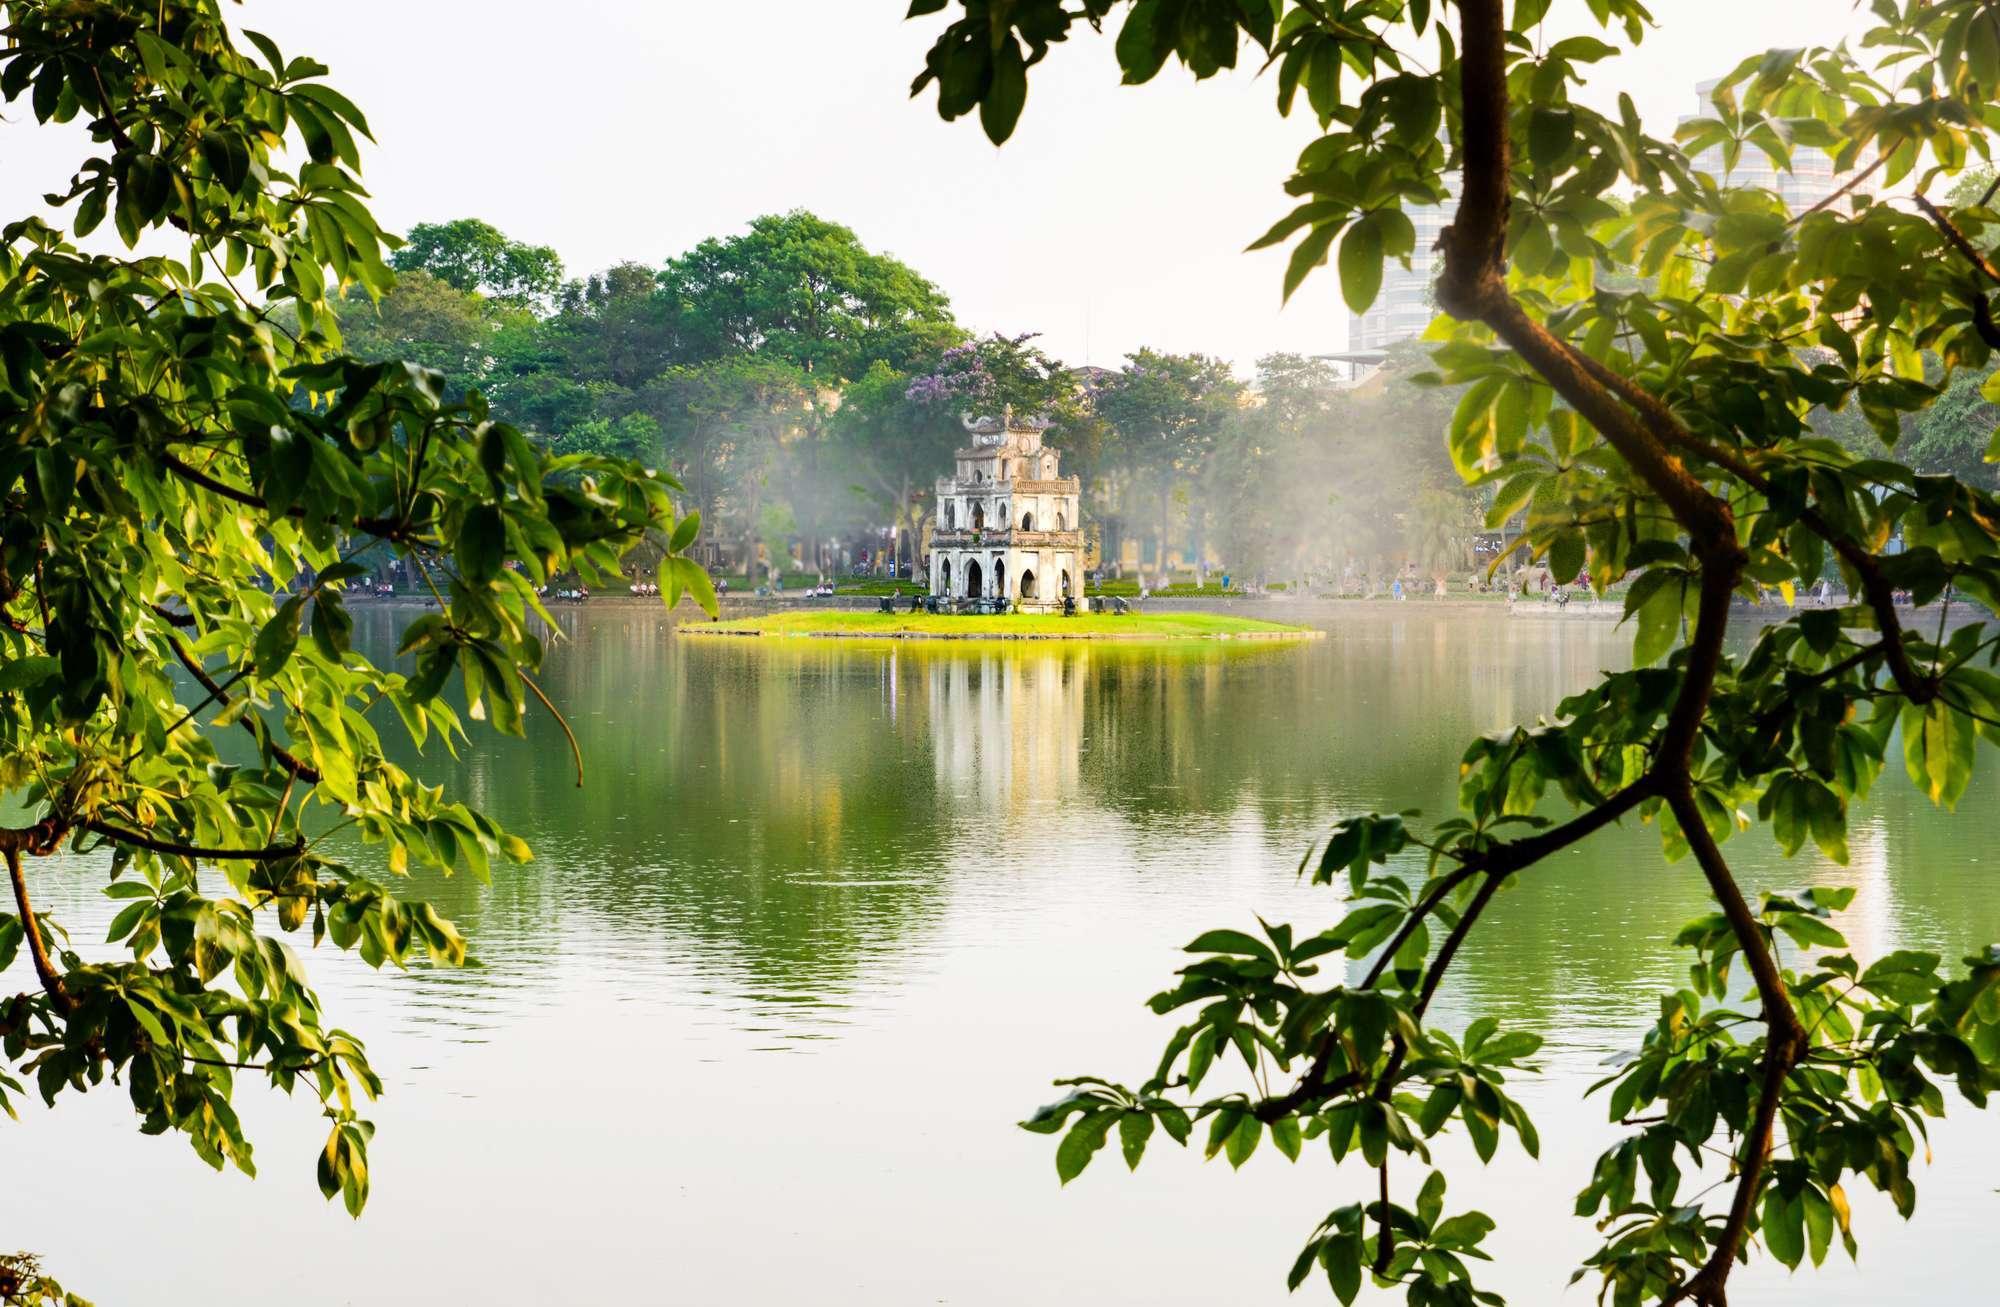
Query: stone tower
1007	523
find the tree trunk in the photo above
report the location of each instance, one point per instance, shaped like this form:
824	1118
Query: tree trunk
906	517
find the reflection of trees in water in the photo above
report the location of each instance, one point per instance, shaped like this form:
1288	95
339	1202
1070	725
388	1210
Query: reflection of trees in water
1373	716
765	804
785	818
1563	950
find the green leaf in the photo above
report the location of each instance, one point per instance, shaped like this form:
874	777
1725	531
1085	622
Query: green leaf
1566	556
482	544
1341	1255
1286	1136
1134	1128
1784	1227
279	637
11	936
1081	1144
1230	941
1659	620
1361	263
1551	133
1006	93
685	531
685	576
332	626
1310	253
1430	1199
1938	750
27	671
1819	1223
1243	1139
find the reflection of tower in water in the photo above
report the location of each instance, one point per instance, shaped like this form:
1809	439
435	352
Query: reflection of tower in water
1006	730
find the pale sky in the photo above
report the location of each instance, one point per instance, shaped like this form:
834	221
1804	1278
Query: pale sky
1115	217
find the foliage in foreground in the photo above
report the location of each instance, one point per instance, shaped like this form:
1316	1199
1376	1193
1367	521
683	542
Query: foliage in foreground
190	466
1638	382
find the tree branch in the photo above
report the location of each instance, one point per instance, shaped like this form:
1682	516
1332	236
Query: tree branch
118	834
1784	1042
1876	590
32	928
381	527
1497	863
1958	239
286	759
1472	286
1852	182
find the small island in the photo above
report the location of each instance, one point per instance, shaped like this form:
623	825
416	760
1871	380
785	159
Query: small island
850	625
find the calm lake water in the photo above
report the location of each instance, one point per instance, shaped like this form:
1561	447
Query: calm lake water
826	920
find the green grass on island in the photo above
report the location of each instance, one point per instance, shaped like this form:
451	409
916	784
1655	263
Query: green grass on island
1022	626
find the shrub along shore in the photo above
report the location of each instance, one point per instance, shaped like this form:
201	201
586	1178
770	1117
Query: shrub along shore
838	624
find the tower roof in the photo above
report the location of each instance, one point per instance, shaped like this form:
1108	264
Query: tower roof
990	434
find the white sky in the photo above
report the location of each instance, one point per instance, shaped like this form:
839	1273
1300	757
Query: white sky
629	130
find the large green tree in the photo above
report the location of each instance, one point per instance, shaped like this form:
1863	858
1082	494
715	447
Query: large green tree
728	426
474	255
425	321
189	463
1637	382
1168	410
805	290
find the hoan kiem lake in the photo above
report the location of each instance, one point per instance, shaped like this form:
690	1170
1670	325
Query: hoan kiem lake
829	916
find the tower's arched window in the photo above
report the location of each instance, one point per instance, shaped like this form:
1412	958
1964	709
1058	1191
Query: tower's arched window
1059	523
1027	521
979	517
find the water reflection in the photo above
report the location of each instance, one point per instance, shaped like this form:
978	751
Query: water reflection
827	916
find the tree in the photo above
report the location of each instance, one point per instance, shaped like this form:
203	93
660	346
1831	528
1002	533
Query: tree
888	444
472	255
1653	425
1438	532
1167	410
726	426
621	329
805	290
425	321
635	438
189	463
1952	436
